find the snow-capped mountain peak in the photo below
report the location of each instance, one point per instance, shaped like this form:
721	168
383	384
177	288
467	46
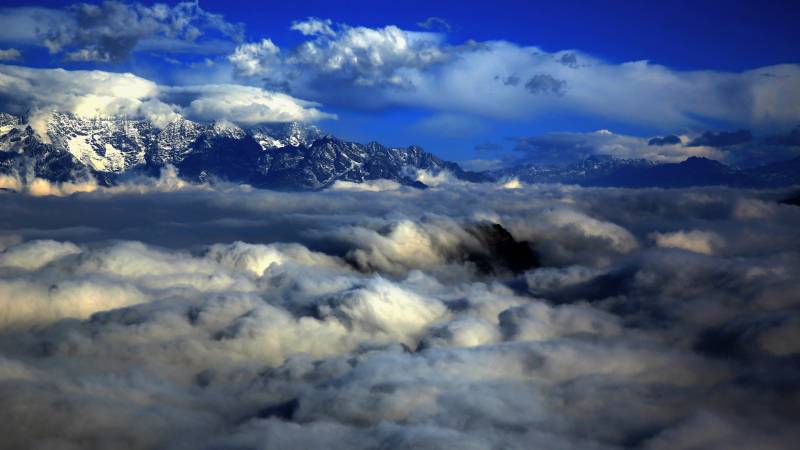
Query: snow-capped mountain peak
105	144
292	134
283	156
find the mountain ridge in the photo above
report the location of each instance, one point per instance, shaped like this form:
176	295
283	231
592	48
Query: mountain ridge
296	156
607	171
277	156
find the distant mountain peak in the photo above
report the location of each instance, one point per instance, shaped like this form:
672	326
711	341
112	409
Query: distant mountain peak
606	170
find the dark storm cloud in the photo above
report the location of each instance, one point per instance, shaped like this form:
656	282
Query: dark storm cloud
721	139
666	140
791	138
657	319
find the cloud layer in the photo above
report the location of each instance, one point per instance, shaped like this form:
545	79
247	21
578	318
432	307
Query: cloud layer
35	93
389	66
657	319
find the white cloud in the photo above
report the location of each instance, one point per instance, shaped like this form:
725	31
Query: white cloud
357	56
368	186
389	66
36	254
370	56
244	104
36	93
313	27
255	58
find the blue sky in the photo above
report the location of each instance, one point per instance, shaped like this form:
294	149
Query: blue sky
718	56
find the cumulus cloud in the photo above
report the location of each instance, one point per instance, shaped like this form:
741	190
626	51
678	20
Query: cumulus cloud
383	67
313	27
338	55
255	58
35	93
111	30
239	318
370	56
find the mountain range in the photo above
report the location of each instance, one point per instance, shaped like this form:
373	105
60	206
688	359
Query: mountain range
607	171
295	156
287	156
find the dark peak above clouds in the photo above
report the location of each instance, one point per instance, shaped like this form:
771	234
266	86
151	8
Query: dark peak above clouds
505	253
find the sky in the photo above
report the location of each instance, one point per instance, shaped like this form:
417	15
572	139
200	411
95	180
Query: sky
465	81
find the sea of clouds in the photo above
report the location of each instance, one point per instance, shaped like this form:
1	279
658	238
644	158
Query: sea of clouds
175	316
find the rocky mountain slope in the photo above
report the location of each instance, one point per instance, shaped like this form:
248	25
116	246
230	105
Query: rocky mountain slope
281	156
